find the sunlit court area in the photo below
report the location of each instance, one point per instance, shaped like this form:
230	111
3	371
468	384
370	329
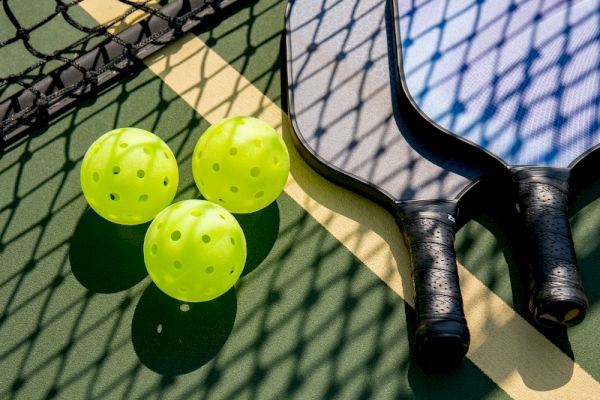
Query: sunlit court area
358	227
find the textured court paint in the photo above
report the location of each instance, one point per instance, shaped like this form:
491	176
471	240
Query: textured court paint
224	92
311	319
58	336
490	344
253	46
305	326
13	254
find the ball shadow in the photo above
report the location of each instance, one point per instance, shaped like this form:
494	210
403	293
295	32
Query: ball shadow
173	338
260	229
107	257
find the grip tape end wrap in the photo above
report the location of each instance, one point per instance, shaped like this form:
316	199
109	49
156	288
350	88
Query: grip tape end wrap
442	337
557	298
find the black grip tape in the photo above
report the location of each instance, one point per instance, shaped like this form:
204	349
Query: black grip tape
557	298
442	335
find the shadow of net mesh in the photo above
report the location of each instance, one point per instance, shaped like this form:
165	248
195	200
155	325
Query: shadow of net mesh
43	73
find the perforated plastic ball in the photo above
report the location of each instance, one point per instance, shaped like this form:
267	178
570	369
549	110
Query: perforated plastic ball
194	250
129	175
241	163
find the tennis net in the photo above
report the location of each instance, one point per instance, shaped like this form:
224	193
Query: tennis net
88	58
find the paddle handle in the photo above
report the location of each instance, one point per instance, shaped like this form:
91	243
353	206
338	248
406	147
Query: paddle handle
557	297
442	335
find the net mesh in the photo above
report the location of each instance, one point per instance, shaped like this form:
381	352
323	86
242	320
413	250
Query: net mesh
42	74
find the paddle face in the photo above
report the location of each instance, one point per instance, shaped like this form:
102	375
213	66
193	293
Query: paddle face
520	80
343	106
349	126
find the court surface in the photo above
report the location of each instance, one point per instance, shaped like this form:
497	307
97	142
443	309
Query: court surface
320	311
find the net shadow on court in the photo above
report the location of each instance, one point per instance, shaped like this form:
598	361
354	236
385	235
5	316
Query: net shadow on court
301	316
310	320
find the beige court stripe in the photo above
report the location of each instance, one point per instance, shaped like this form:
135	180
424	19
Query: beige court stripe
105	11
504	346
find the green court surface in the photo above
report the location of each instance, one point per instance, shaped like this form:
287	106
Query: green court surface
80	318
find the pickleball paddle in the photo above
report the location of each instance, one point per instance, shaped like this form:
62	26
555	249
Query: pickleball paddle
521	83
347	121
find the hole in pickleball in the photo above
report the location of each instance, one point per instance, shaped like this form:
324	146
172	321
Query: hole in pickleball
175	236
141	173
116	169
232	241
123	145
222	217
143	198
199	155
115	197
234	189
257	143
221	200
196	213
201	182
184	307
275	160
154	249
177	264
254	172
216	167
205	238
210	270
160	225
232	270
95	149
147	150
233	151
166	181
167	156
260	194
95	177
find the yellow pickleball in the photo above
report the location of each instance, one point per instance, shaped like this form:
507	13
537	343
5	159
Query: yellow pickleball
129	175
241	163
194	250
